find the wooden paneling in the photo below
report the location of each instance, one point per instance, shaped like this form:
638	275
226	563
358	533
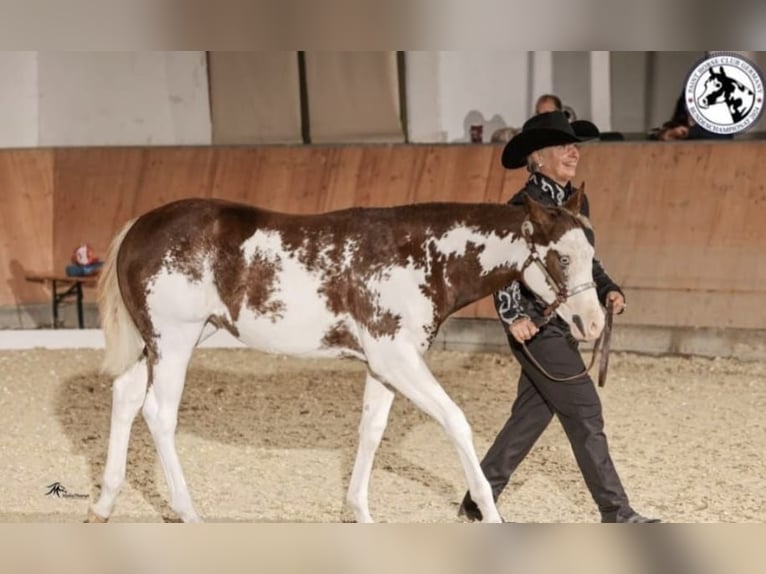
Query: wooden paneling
683	228
680	226
26	214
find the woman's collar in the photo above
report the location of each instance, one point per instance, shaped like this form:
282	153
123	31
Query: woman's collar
557	192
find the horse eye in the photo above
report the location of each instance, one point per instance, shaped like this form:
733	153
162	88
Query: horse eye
564	260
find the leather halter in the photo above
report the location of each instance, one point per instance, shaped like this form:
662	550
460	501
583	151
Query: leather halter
561	290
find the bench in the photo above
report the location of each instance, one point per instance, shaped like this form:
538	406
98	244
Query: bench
63	287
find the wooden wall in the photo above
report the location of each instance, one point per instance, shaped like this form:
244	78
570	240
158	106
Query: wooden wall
681	226
26	215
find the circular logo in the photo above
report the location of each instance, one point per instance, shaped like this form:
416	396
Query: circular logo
724	94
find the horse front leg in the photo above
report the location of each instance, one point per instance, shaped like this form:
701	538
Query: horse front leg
403	367
376	407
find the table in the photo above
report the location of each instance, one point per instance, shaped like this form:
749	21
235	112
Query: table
64	287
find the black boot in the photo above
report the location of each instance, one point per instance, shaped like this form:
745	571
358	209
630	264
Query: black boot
627	516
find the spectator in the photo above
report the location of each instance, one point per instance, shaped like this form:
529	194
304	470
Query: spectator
503	135
552	103
548	103
681	126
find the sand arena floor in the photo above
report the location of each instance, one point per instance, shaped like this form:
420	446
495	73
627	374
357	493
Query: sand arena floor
265	438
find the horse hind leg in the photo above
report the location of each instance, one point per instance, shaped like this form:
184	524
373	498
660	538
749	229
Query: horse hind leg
128	394
175	346
376	407
406	370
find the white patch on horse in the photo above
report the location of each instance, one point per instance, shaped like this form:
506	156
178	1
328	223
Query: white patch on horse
496	250
398	291
350	248
499	250
264	242
304	317
200	297
455	240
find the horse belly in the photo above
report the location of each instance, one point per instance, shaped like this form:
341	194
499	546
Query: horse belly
285	339
299	326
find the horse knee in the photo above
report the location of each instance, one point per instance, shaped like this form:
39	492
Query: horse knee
456	423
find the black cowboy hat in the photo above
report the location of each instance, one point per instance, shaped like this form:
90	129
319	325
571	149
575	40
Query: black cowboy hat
543	130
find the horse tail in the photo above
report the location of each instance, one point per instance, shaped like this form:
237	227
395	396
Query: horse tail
123	341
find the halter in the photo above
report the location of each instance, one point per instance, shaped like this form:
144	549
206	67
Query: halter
561	291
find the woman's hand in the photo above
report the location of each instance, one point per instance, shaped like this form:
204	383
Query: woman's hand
675	133
523	329
617	301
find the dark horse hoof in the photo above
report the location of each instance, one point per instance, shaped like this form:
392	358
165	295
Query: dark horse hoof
470	510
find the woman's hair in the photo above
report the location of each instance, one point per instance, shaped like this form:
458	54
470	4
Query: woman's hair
680	116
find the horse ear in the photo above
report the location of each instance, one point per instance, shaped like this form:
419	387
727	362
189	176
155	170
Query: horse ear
574	203
538	213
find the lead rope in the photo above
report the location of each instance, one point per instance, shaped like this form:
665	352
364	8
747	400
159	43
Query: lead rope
602	341
607	335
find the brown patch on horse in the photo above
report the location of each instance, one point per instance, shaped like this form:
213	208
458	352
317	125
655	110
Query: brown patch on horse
349	294
260	283
238	281
340	337
550	223
554	267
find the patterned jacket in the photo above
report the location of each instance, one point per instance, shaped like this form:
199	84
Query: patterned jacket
515	300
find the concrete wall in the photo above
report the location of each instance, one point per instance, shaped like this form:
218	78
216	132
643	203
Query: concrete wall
449	91
161	98
123	98
18	99
103	98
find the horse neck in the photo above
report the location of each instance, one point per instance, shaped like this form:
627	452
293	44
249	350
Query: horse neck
482	263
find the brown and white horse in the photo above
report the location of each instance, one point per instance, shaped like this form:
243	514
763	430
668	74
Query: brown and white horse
370	283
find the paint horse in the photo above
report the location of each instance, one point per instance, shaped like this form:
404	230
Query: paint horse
374	284
720	88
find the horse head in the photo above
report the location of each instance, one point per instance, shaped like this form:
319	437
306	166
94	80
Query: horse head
720	88
559	268
716	88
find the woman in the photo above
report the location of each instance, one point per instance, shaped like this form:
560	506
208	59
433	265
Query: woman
547	145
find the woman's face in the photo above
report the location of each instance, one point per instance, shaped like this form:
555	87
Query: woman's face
559	162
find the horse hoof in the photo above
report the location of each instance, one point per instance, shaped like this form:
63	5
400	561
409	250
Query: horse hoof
94	518
168	519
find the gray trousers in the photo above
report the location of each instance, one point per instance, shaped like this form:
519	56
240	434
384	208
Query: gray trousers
577	406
